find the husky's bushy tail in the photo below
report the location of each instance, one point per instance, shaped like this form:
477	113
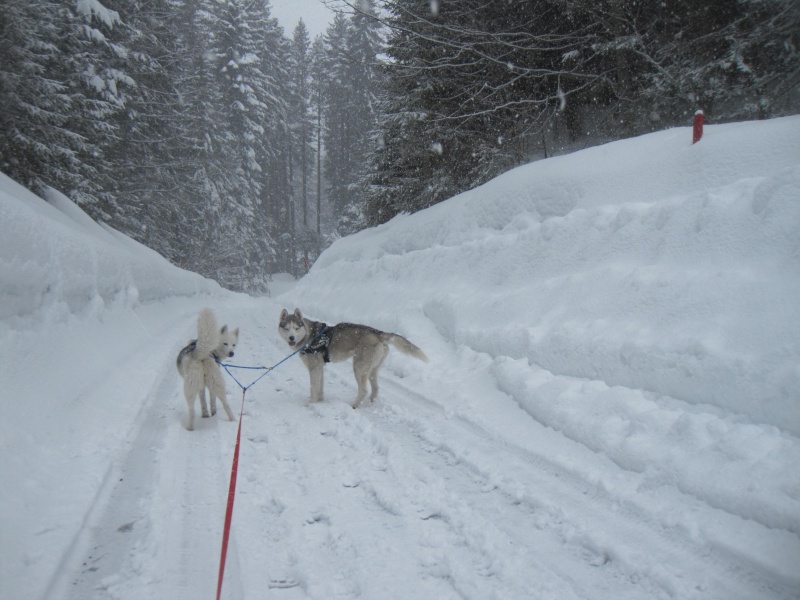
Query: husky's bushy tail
406	347
208	334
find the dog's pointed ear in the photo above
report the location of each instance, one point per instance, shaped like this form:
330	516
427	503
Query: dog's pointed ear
224	329
284	314
298	314
236	333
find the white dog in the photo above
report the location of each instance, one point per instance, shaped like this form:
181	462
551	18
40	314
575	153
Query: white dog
197	364
367	347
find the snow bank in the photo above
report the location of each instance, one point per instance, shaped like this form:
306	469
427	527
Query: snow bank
55	259
79	335
648	263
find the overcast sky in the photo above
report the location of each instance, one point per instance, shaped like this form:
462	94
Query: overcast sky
314	13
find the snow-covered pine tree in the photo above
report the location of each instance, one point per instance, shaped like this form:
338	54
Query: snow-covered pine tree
472	87
62	81
238	142
736	60
319	82
301	125
656	62
352	47
404	165
145	154
277	196
37	147
336	127
196	204
365	73
300	117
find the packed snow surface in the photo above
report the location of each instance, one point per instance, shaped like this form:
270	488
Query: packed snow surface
611	408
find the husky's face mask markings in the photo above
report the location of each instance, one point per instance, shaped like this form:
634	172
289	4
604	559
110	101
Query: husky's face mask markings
320	343
293	330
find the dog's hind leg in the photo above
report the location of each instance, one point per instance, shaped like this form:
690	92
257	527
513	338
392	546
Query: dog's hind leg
362	369
361	380
377	359
190	404
189	392
203	405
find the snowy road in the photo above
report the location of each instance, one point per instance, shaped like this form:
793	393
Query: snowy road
400	499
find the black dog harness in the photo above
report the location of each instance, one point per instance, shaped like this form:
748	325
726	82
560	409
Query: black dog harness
320	340
192	346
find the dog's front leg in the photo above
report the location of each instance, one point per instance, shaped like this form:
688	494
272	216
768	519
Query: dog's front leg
360	370
213	395
315	372
218	391
225	405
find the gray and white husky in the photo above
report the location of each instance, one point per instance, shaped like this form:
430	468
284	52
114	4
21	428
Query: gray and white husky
198	366
323	343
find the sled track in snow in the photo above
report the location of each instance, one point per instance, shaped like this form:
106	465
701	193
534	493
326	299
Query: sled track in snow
154	529
110	539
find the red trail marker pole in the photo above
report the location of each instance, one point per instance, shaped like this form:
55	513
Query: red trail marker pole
697	129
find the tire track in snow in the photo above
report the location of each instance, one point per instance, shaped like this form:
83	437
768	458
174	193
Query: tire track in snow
458	508
93	555
607	530
399	499
452	542
155	530
394	521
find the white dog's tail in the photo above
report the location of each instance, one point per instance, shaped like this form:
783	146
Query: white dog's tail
406	347
208	334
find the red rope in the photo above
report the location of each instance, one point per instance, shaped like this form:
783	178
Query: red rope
226	532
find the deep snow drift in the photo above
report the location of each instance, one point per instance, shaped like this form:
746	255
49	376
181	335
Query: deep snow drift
611	408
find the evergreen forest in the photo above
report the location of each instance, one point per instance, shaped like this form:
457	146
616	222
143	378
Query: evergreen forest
237	149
